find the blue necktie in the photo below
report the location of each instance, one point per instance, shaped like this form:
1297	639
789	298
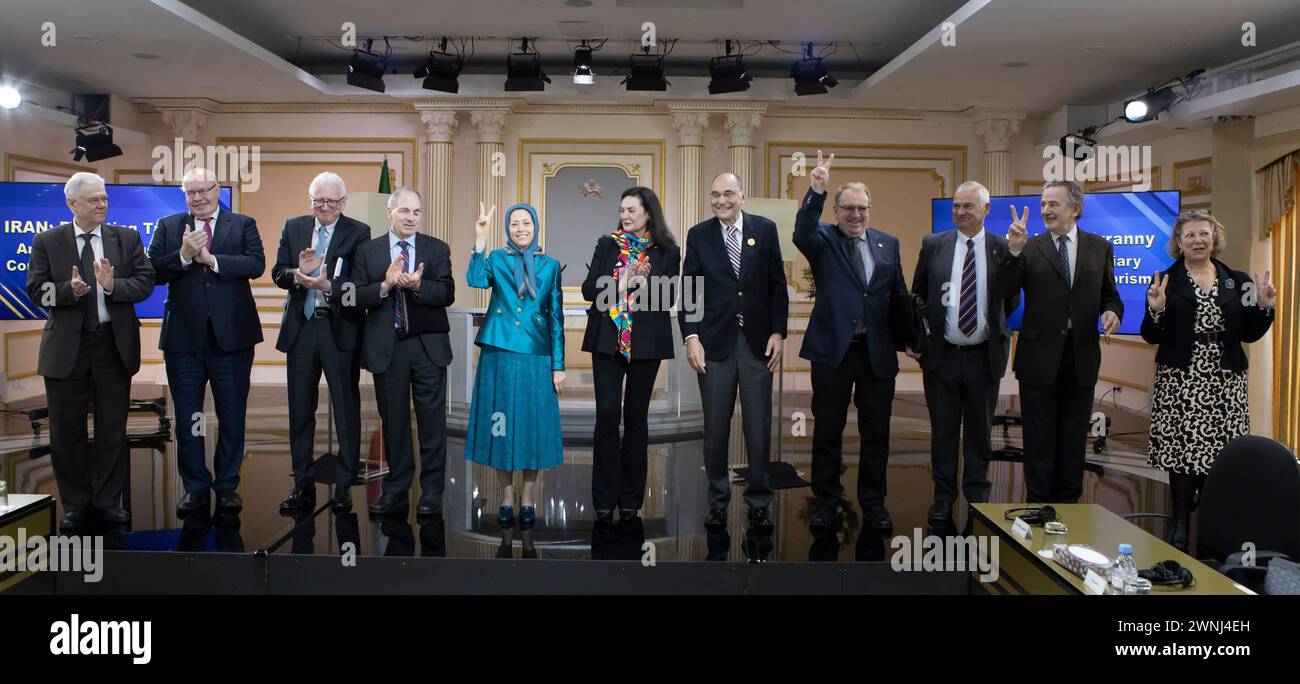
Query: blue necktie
966	311
309	307
399	305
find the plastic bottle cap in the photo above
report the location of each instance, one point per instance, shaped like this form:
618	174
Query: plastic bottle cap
1125	548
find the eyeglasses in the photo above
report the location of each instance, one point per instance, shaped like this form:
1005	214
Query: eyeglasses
322	202
731	195
854	209
200	191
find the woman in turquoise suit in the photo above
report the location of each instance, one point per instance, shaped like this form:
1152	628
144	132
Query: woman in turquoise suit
514	421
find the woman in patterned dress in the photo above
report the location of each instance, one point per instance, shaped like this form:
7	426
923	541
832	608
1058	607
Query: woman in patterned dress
1199	312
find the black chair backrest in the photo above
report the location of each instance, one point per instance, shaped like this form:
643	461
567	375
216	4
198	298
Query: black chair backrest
1251	494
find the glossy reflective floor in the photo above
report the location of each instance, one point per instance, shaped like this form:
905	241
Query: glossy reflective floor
670	527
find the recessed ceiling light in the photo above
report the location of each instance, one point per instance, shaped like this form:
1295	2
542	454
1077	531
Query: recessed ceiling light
144	55
1015	65
1093	48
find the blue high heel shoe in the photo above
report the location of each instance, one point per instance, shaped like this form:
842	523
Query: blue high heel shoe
527	516
506	516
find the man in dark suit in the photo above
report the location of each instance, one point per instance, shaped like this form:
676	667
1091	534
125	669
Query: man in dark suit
88	275
403	279
850	342
966	356
733	320
1069	280
318	333
207	257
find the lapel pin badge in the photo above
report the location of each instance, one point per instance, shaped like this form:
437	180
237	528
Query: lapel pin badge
750	242
1229	283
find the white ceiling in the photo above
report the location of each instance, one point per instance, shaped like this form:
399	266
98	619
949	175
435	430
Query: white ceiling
1077	52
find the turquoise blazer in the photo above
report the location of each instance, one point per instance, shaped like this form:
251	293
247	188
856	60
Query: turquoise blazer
528	326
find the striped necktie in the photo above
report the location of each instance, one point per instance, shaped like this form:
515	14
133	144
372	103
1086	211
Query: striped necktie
966	314
399	304
733	253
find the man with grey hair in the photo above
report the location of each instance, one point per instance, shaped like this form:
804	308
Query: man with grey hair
850	342
207	257
318	333
1068	278
403	280
88	275
966	354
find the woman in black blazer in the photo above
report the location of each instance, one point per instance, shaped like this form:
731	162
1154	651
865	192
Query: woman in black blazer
632	284
1199	312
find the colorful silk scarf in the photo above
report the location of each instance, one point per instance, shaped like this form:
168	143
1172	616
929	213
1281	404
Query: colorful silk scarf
630	249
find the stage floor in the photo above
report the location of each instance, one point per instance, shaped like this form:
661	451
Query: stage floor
670	528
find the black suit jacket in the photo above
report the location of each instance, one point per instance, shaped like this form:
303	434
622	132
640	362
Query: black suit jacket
196	294
1174	332
299	234
426	310
759	293
934	268
1050	301
652	330
54	253
842	296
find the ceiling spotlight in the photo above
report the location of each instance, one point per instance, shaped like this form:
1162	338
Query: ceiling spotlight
95	142
727	74
582	71
810	77
10	98
366	70
646	72
1149	106
1079	146
441	71
524	70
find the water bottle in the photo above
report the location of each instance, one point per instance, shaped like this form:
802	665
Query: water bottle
1125	568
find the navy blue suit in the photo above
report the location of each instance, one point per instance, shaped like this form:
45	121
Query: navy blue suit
210	326
848	366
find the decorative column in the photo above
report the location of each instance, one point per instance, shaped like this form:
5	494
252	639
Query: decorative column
690	146
438	127
997	134
185	124
741	126
489	125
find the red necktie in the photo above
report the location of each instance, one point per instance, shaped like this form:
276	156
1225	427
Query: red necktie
207	228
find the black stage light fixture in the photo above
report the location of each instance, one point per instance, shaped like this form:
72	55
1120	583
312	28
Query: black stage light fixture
441	71
727	74
524	70
582	71
95	142
810	76
1079	146
366	70
1149	105
646	72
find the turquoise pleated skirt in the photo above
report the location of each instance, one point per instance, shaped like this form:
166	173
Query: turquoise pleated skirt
514	420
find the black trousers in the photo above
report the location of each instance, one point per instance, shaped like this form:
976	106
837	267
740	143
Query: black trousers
90	476
314	351
873	397
412	377
618	471
1056	421
960	396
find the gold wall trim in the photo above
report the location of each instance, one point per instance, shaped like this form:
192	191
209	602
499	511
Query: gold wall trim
934	175
660	155
1179	166
18	162
960	173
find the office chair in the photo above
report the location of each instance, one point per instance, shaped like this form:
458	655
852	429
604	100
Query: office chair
1251	495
